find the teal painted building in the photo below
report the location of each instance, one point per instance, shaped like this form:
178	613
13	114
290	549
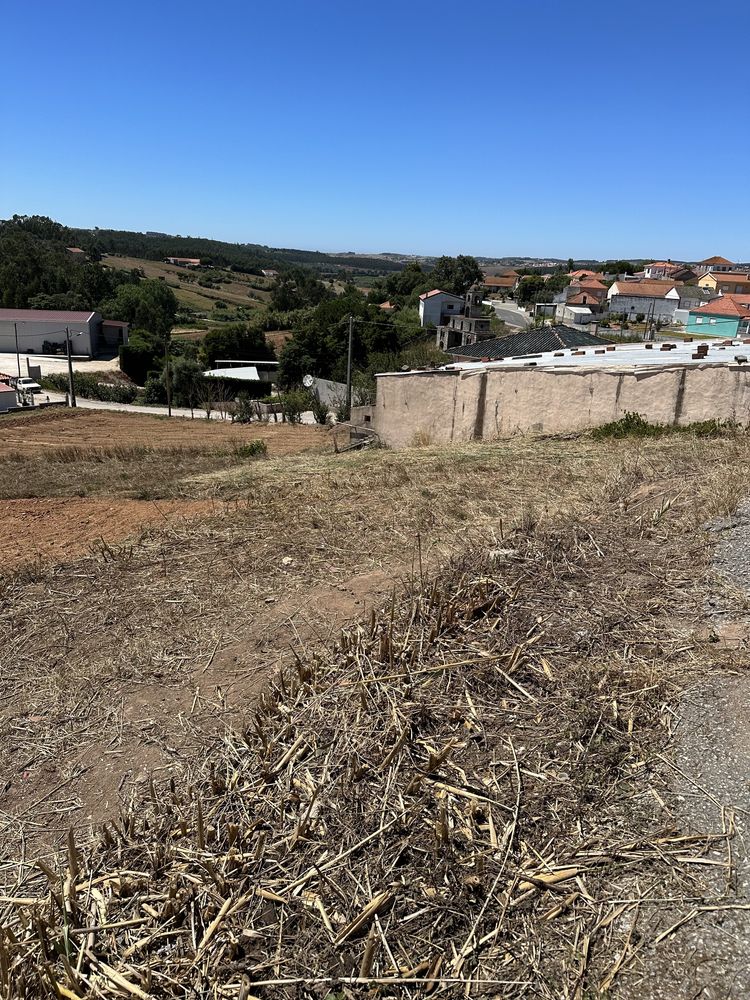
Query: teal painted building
727	317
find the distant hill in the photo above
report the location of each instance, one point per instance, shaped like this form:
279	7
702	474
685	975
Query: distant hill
245	257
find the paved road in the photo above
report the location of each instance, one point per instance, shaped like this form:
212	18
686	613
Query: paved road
58	363
154	411
509	313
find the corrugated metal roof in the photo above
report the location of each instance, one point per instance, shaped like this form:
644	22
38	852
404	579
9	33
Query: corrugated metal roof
45	315
247	374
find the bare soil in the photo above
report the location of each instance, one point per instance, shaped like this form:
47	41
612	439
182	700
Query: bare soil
52	530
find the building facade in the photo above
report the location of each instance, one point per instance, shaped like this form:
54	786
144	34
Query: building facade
657	300
435	307
726	282
727	317
713	264
470	327
43	331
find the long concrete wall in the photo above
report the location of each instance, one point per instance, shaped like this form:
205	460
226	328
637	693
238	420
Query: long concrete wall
444	407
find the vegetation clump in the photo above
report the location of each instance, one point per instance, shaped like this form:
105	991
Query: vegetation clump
635	425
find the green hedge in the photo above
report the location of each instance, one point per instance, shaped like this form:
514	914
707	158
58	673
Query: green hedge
87	386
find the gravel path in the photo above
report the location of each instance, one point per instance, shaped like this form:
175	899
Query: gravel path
709	957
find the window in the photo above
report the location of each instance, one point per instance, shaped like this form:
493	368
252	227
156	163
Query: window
712	322
699	320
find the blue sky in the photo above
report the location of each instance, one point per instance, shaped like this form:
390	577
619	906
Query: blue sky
511	127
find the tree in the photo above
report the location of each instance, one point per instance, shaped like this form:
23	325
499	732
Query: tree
141	355
571	264
149	305
529	288
242	341
296	289
186	376
456	274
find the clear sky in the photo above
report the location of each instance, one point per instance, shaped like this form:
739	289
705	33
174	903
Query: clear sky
509	127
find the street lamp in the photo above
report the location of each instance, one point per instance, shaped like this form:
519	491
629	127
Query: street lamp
68	337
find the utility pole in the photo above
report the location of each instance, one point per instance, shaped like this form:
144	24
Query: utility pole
71	387
349	370
168	377
18	353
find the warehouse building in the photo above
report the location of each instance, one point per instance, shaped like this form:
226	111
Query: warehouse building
43	331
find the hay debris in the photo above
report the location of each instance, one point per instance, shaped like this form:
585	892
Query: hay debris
451	800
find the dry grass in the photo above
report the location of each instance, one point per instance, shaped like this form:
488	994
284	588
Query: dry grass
495	728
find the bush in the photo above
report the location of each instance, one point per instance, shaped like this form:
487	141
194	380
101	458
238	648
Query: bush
293	404
631	425
87	386
318	407
251	449
154	391
245	411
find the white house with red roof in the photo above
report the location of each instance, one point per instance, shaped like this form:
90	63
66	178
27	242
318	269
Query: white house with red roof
436	306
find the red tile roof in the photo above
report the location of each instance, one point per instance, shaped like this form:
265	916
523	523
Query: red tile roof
500	281
437	291
651	288
716	260
590	283
731	277
583	273
726	305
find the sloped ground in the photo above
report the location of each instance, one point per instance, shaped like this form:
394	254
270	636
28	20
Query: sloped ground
706	949
532	827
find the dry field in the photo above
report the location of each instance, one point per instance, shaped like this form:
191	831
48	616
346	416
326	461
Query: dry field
190	293
23	434
70	480
463	793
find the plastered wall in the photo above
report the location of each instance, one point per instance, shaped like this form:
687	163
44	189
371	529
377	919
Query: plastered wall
443	407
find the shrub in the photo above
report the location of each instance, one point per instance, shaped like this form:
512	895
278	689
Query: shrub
87	386
251	449
319	408
154	391
293	404
245	411
631	425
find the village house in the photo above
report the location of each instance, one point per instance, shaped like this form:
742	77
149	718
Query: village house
658	269
727	316
436	306
501	284
713	264
580	301
470	327
77	254
583	274
269	272
725	282
656	299
184	261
